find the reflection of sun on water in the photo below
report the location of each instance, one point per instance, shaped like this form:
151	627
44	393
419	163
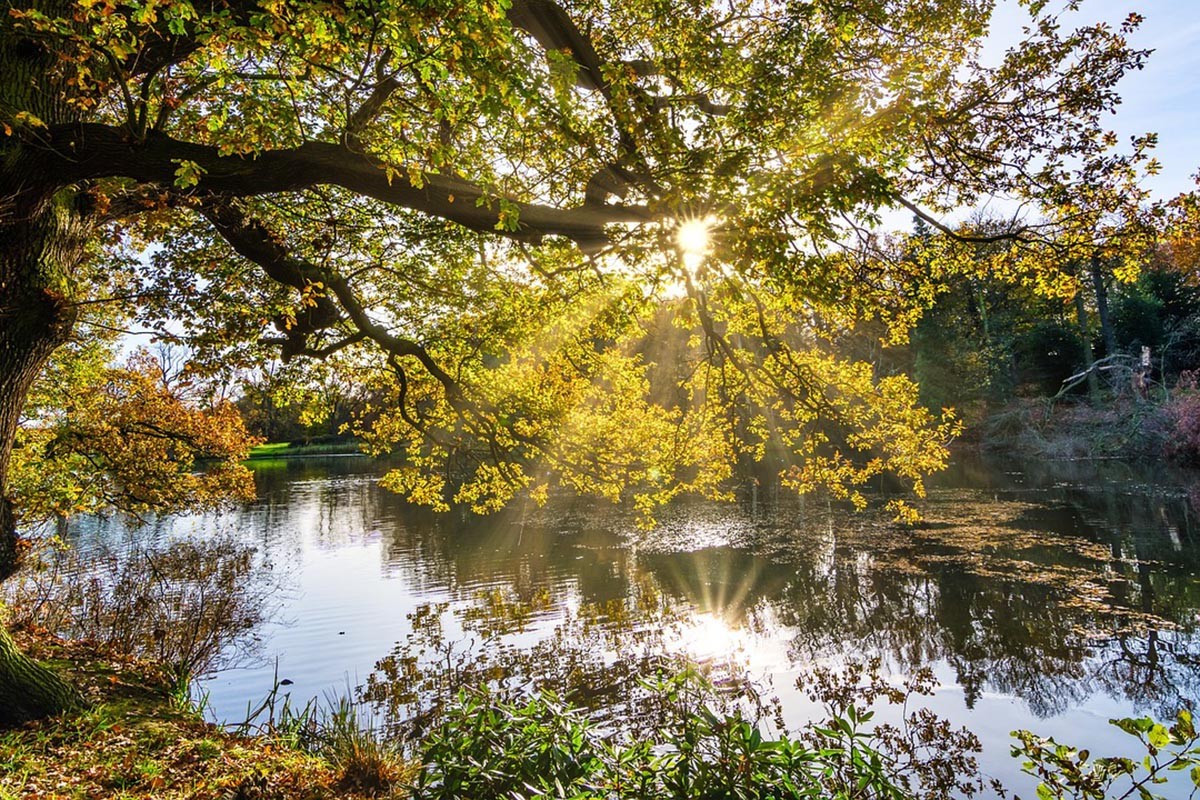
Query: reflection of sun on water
707	636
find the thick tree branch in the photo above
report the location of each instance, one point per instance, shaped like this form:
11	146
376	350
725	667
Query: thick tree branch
87	151
612	179
702	101
369	110
553	29
254	242
167	48
317	352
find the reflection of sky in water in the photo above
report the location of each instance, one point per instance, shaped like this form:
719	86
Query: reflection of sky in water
1049	601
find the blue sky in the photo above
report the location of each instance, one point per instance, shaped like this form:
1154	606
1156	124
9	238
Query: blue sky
1165	96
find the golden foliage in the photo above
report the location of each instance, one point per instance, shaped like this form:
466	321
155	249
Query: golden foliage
117	438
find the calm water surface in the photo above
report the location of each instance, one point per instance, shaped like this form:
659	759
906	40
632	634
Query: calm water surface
1051	597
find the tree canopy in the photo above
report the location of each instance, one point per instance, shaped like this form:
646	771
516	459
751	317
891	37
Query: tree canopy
477	207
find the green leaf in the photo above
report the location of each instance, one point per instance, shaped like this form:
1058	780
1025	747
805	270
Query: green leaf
1158	736
187	174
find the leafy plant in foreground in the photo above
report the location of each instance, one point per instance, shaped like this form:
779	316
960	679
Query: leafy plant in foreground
492	746
1068	773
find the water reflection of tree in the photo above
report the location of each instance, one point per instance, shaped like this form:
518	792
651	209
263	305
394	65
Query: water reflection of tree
1048	586
1156	665
1011	637
599	657
990	588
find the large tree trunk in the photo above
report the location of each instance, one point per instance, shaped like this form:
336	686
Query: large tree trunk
42	234
28	690
38	250
34	320
41	244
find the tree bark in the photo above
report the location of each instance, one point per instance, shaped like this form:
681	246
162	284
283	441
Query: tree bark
34	320
29	690
42	232
1089	361
1101	289
41	244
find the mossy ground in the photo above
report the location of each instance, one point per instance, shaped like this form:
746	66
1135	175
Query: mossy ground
135	740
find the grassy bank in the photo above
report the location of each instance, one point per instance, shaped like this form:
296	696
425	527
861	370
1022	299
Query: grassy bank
137	739
1113	428
291	449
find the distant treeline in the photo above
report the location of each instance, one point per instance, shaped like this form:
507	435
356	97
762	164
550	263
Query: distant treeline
989	339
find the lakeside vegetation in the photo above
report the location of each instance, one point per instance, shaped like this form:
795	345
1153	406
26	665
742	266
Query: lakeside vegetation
600	706
139	736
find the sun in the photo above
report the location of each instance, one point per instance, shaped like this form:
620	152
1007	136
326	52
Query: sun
694	239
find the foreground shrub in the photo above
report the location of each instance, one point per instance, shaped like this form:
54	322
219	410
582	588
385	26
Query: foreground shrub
491	746
1068	773
187	605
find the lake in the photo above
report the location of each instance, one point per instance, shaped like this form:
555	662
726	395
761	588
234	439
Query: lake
1050	597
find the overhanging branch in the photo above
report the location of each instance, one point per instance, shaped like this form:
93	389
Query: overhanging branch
253	241
88	151
1017	234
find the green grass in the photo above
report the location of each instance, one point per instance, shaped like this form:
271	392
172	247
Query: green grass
288	449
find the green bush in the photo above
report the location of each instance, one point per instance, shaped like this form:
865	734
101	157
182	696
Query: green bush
490	746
